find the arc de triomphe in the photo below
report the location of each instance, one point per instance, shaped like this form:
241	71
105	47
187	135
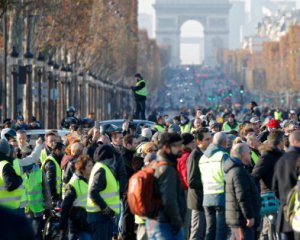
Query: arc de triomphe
212	14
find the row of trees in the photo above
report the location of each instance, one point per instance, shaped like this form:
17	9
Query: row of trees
273	73
97	41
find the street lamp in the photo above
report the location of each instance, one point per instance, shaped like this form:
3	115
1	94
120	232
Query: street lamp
14	71
40	65
28	65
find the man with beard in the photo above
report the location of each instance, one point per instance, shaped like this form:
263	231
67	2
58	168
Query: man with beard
51	167
168	224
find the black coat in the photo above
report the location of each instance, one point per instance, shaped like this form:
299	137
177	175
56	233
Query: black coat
168	186
242	195
285	178
76	216
263	171
195	191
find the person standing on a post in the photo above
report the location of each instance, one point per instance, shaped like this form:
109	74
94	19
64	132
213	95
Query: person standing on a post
140	93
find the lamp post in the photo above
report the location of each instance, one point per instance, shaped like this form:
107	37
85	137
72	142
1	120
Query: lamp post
79	92
48	116
14	71
62	102
40	72
28	65
56	74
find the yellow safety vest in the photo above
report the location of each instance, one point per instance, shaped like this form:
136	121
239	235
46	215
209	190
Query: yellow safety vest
10	199
227	127
278	116
143	91
159	128
58	172
186	128
34	191
43	156
212	173
110	194
254	156
18	170
81	189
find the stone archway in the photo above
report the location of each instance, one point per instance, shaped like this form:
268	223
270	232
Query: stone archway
212	14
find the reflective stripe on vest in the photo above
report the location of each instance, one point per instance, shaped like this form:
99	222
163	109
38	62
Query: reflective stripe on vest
143	91
34	191
18	169
81	189
43	156
10	199
159	128
110	194
212	173
254	156
58	172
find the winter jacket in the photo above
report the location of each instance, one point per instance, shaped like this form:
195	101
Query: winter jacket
11	180
215	199
137	88
242	195
181	167
76	216
263	171
14	225
284	179
168	187
69	170
195	190
50	171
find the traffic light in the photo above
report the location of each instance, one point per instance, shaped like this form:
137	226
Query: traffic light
241	89
230	93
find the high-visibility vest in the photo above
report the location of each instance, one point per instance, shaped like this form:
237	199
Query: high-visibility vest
58	172
278	115
110	194
227	127
254	156
43	156
186	128
81	189
18	170
212	173
143	91
159	128
10	199
34	190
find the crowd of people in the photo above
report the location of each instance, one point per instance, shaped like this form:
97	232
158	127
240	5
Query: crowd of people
218	178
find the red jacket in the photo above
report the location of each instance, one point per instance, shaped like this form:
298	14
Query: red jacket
181	167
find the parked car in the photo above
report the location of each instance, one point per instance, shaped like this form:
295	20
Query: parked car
117	123
33	135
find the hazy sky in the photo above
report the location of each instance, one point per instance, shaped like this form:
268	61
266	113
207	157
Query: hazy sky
187	50
146	6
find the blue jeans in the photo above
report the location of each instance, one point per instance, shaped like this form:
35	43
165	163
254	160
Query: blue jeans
101	226
216	228
161	231
80	236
